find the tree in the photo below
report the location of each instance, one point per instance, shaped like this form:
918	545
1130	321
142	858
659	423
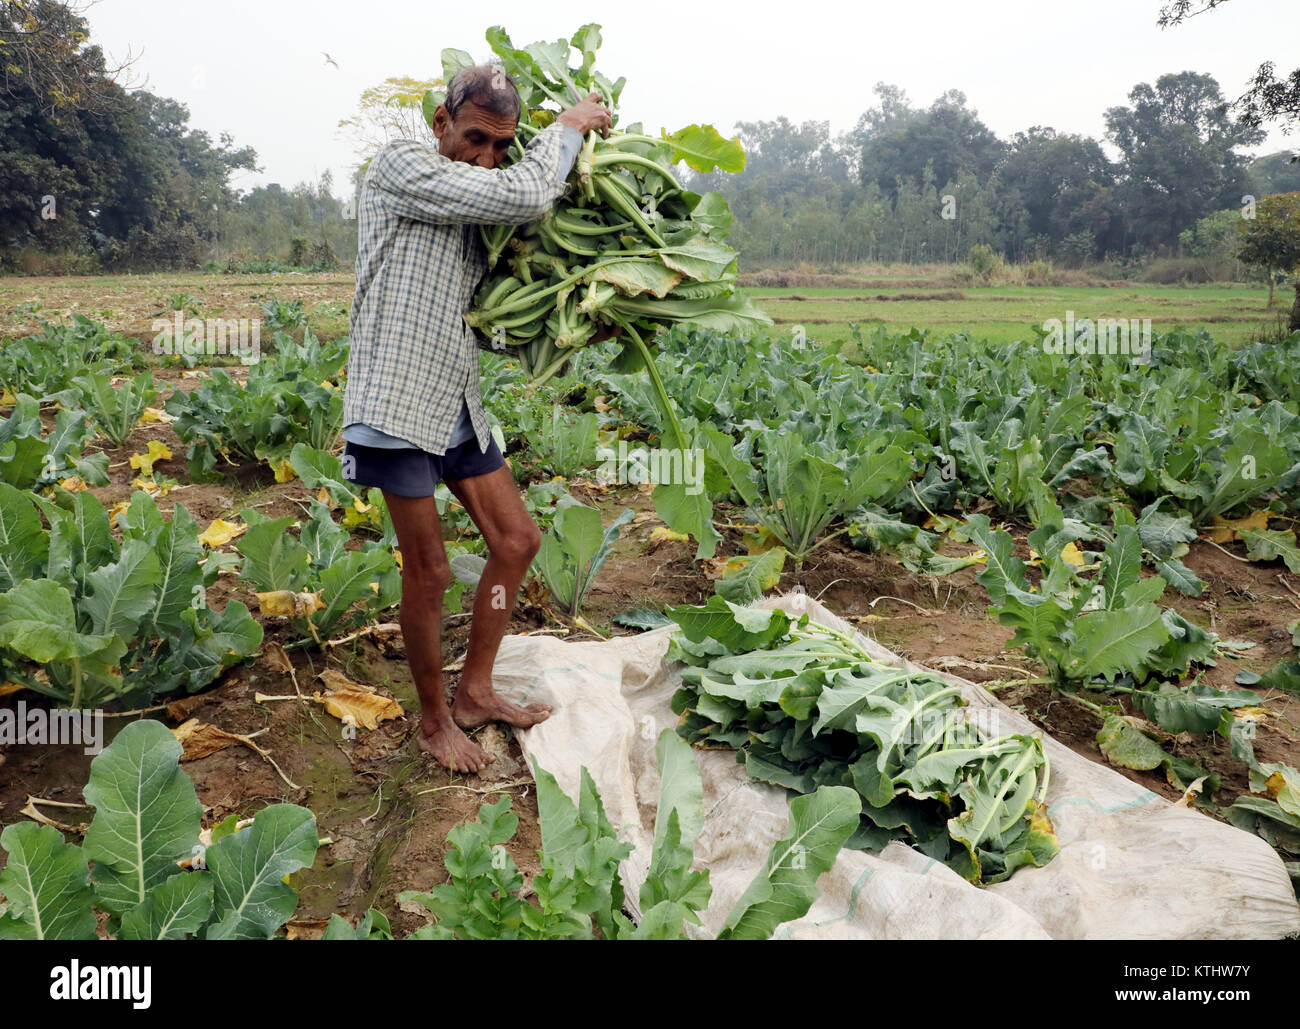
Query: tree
1268	98
119	176
1271	240
388	111
45	55
1275	173
1179	155
897	142
1057	180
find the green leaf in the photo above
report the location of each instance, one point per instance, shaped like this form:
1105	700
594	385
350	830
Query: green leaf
1271	544
348	580
37	620
704	149
146	815
250	900
756	575
680	788
24	546
1003	570
1196	709
735	627
46	883
273	559
672	888
634	277
174	910
643	618
1109	643
1122	566
820	824
123	592
180	582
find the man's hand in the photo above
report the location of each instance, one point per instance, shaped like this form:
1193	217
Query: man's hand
587	115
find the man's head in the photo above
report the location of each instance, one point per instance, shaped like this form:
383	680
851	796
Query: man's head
476	123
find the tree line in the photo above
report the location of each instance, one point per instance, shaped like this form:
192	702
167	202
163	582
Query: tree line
95	177
925	184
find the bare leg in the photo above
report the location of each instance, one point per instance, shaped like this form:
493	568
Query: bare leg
512	538
425	577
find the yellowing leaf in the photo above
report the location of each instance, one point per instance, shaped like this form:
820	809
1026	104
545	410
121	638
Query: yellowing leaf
7	398
397	555
155	414
288	604
662	534
324	497
284	471
1223	530
221	532
10	687
356	702
117	509
73	484
199	739
1071	555
154	489
156	452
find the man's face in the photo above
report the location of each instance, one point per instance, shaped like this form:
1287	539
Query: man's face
477	136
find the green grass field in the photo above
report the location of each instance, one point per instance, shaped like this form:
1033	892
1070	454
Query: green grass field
1234	314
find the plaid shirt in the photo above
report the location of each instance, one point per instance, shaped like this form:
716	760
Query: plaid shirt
419	263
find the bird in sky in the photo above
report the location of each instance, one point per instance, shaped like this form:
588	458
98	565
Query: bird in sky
330	60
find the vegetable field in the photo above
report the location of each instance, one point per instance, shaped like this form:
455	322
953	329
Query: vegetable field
1106	541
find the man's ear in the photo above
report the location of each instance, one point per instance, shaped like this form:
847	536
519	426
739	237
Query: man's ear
441	121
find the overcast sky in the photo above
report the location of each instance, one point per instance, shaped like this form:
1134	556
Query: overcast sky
256	69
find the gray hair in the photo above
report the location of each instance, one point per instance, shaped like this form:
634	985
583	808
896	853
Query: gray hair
486	85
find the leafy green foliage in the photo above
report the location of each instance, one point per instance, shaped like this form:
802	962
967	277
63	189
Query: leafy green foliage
1125	744
47	885
110	619
115	410
579	890
146	820
798	492
284	401
44	365
806	707
575	550
352	586
31	459
1092	621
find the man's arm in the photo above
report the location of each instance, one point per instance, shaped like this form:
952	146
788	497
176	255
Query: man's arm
415	184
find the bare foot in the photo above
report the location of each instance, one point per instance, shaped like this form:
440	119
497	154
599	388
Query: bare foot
471	712
452	749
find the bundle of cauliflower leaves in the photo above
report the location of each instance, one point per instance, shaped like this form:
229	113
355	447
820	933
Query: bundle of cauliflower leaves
806	706
626	246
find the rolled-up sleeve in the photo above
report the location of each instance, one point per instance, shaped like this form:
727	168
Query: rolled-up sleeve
415	182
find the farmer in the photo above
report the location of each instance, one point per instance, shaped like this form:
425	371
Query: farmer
411	410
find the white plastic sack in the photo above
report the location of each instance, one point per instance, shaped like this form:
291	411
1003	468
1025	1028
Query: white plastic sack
1131	865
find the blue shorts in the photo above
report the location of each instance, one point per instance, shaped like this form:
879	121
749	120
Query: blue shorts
409	472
